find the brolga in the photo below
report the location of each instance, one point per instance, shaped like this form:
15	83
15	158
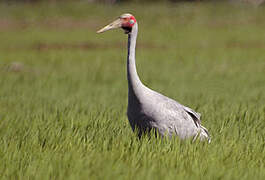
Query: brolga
148	109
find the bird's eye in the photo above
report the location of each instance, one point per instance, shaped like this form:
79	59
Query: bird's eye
131	21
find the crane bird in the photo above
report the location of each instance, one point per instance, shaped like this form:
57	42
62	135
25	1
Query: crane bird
148	109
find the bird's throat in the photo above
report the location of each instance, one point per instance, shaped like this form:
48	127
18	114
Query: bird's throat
127	30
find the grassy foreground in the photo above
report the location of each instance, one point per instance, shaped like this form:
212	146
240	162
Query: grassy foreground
63	91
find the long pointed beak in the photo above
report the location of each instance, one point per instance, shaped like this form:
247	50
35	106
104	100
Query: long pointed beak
115	24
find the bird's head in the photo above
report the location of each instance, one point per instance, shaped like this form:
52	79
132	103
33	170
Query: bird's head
125	21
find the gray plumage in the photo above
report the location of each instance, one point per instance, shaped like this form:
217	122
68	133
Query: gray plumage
148	109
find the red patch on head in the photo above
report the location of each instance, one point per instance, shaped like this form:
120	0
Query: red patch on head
129	22
132	21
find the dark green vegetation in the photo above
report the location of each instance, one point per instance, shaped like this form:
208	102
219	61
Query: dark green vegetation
63	91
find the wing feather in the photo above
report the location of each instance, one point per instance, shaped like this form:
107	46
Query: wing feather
195	116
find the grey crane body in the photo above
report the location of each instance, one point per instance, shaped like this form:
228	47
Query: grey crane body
153	110
148	109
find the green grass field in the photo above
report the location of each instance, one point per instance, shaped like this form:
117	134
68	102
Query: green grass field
63	91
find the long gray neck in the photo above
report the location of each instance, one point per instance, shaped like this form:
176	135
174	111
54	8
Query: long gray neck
135	85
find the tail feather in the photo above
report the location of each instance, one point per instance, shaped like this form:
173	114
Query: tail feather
203	134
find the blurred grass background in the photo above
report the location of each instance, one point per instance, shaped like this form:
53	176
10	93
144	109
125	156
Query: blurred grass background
63	92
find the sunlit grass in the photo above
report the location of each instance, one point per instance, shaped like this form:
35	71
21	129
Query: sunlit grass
63	91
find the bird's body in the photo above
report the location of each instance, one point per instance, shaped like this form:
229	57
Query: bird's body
148	109
155	111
